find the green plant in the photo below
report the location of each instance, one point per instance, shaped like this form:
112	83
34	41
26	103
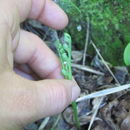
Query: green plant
127	55
64	51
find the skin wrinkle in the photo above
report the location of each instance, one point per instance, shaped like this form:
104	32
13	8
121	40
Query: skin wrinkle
5	45
15	41
15	25
12	21
25	75
58	95
25	68
63	94
9	52
33	57
67	98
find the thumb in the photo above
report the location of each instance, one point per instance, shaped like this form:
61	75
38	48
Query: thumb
51	97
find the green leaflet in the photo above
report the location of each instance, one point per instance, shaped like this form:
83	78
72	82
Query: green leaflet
64	51
127	55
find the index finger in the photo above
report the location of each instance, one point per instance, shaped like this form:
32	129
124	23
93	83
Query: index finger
46	11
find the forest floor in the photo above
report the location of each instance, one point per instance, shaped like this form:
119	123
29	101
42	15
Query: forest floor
109	112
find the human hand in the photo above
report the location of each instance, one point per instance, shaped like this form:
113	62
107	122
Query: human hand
21	100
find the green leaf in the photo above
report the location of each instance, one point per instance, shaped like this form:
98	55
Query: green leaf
127	55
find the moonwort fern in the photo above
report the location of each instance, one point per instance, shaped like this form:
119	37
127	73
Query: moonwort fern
64	51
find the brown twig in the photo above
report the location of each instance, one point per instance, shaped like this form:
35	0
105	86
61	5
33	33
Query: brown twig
86	68
87	41
104	62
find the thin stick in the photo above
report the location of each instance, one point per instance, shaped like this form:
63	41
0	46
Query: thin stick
96	108
88	69
44	123
104	62
103	92
56	122
87	40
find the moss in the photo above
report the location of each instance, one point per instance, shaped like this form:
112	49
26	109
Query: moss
109	22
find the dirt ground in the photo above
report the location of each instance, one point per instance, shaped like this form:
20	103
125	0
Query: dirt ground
113	112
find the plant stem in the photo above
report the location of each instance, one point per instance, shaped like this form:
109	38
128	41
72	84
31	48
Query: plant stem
76	119
64	51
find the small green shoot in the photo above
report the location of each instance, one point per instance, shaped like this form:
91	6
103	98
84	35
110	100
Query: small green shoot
64	51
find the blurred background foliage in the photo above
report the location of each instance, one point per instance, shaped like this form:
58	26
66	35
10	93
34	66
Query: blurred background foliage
109	22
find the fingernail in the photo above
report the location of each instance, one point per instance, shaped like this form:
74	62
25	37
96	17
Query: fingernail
75	91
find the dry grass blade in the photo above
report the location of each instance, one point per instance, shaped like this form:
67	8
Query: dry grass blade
56	122
95	109
104	62
44	123
103	92
87	40
88	69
